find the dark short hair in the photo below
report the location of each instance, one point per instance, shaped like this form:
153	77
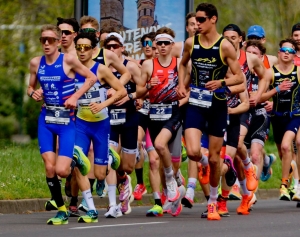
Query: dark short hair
111	38
296	27
209	9
256	44
70	21
150	35
189	16
90	36
233	27
291	41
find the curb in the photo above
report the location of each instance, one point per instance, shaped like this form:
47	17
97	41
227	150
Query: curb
27	206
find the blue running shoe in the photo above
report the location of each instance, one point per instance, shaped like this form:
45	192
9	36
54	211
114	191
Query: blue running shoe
100	186
90	217
82	162
61	218
116	160
267	170
83	206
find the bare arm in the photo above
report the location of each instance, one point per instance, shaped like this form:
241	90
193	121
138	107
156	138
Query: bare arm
147	68
243	106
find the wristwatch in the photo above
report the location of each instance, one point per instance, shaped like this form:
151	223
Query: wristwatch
130	96
223	83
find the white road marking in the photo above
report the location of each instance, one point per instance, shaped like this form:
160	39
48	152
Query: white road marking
103	226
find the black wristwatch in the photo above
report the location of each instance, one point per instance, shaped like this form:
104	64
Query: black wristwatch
223	83
130	96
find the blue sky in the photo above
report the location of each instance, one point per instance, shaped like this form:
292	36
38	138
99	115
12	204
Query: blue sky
167	11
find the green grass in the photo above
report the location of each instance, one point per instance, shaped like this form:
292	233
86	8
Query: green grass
22	173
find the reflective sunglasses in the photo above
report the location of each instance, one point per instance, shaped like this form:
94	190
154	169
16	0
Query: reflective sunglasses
287	49
114	46
165	42
88	30
50	40
83	47
254	38
201	19
67	32
147	42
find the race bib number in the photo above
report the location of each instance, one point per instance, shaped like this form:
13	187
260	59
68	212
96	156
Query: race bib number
160	112
57	115
117	116
201	98
146	107
89	97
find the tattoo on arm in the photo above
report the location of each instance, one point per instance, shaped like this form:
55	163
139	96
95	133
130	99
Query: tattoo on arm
92	82
118	98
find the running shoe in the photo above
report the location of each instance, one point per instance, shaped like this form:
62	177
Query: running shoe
156	210
61	218
90	217
235	193
284	194
50	205
176	207
245	205
296	196
292	191
115	157
251	178
252	201
173	193
163	198
125	206
167	206
179	178
222	207
113	212
204	214
68	186
82	162
83	206
267	170
139	191
125	189
188	199
183	152
73	211
231	174
104	190
212	213
100	186
203	174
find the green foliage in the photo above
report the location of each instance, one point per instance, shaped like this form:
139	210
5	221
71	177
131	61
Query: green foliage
7	126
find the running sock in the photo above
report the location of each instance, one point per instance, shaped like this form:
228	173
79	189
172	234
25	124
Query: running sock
111	192
191	185
55	190
213	195
204	160
296	183
266	161
169	173
247	163
207	198
92	181
139	176
157	200
87	195
244	187
74	201
225	193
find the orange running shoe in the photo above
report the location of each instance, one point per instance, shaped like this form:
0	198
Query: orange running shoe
222	207
212	214
235	193
203	175
245	206
251	178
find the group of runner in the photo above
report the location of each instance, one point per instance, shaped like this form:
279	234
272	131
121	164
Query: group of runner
206	98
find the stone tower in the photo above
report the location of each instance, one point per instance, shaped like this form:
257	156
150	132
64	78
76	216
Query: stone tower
145	13
112	13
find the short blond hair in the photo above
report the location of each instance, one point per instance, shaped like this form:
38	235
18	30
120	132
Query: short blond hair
165	30
89	19
53	28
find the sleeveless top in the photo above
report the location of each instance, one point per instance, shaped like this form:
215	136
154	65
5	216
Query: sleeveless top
95	94
266	62
100	58
164	92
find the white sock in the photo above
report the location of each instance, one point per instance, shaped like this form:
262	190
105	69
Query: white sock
244	187
87	195
247	163
296	183
111	191
204	160
266	160
169	174
213	195
156	195
237	183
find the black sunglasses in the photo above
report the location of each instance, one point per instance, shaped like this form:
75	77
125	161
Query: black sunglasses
114	46
87	30
201	19
50	40
166	42
67	32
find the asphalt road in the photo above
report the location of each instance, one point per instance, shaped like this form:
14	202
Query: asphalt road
269	218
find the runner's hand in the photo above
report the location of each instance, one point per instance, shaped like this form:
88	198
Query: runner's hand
95	107
181	91
213	85
71	103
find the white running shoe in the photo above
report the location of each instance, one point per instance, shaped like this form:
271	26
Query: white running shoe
296	196
173	193
167	206
177	206
113	212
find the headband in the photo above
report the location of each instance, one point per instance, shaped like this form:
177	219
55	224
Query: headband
164	36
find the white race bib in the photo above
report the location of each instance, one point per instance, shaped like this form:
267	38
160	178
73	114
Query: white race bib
57	115
160	112
201	98
117	116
